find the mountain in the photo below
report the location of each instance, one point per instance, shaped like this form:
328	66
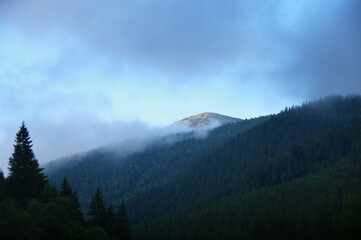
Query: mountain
157	161
206	119
293	175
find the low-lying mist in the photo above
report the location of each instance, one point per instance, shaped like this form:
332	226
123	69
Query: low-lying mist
135	142
57	140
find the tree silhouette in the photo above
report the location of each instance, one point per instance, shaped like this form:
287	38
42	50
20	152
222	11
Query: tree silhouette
123	228
65	190
2	180
25	179
111	220
97	210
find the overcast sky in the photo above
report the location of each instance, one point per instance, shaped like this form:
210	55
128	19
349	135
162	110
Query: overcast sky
84	73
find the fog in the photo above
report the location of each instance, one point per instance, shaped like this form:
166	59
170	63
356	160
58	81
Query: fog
61	141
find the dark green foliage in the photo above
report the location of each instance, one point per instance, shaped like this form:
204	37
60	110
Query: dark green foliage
49	194
143	232
351	218
75	206
65	190
97	212
39	215
25	179
2	185
287	177
123	226
120	177
96	233
116	225
294	175
110	221
16	223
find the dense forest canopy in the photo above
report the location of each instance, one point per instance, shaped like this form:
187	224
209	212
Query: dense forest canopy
30	208
291	175
294	175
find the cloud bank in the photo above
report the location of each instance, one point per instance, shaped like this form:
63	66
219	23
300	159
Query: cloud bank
309	46
56	140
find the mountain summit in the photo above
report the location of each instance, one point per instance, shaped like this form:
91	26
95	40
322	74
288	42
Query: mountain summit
205	120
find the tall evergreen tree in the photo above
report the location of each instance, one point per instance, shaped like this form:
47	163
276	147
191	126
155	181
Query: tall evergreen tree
2	180
143	229
25	179
65	190
76	206
123	229
97	210
111	220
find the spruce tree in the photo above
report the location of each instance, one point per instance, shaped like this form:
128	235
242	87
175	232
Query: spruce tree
143	229
2	180
111	220
76	206
25	179
123	230
65	190
97	211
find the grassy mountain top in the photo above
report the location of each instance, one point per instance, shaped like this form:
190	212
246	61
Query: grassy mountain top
206	119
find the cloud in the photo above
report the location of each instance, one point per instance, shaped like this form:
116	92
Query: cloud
299	48
326	57
80	133
176	36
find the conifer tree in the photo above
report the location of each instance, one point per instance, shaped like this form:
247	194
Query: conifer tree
97	211
76	206
65	190
25	179
111	220
2	180
143	229
123	230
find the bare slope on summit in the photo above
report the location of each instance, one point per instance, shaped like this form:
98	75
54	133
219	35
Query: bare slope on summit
206	119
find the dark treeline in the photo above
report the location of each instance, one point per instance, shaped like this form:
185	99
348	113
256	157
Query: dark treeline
294	175
122	178
32	209
309	191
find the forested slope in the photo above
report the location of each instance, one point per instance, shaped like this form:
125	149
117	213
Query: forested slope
32	209
294	175
311	191
122	177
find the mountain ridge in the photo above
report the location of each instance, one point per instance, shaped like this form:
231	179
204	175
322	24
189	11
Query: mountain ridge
206	119
241	178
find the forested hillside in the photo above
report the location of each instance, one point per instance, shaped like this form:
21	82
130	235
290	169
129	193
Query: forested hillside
30	208
294	175
122	177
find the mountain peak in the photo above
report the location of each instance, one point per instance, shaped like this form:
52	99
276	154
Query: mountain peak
206	119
